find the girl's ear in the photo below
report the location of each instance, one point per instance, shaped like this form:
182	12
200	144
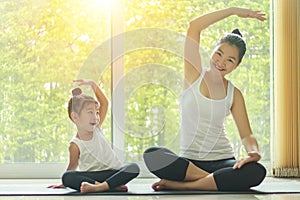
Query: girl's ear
74	116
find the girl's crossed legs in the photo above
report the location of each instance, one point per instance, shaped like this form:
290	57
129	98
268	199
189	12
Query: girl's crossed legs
97	181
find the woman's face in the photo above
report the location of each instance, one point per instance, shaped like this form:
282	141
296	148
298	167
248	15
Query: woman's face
224	58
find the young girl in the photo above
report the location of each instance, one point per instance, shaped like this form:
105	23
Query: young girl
206	160
100	169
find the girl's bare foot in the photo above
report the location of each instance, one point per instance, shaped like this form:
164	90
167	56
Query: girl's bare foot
121	188
97	187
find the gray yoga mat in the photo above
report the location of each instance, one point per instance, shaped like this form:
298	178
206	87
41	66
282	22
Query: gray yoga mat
278	187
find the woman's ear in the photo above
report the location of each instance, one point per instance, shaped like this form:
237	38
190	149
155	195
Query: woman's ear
74	116
237	65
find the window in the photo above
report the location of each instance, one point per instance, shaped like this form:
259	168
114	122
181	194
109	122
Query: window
154	71
140	70
45	45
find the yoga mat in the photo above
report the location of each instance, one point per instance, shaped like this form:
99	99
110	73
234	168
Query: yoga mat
30	189
34	189
167	192
14	190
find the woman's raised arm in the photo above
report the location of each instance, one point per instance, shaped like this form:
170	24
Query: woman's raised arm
192	58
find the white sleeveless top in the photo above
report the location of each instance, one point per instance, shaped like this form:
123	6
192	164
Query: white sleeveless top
96	154
202	131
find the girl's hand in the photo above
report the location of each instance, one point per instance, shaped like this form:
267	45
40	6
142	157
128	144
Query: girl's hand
253	156
86	82
56	186
248	13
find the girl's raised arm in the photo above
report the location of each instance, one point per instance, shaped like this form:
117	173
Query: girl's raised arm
101	98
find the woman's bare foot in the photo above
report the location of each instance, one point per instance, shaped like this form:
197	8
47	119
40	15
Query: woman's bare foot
206	183
97	187
164	184
160	185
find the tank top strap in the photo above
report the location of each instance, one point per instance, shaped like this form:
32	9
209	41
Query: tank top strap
230	93
199	79
74	140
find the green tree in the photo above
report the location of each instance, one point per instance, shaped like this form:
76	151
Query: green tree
44	44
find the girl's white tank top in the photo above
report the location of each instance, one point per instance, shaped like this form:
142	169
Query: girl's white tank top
96	154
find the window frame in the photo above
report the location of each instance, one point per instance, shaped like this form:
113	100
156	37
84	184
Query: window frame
55	170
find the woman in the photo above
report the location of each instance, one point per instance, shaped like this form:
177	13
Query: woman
206	160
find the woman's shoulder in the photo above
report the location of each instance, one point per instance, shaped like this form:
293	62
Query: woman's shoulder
232	86
237	90
238	95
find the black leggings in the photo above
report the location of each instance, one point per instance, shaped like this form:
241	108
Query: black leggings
114	178
167	165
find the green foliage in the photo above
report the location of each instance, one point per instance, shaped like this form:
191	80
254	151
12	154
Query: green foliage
44	44
47	44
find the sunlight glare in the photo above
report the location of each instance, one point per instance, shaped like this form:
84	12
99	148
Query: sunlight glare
105	4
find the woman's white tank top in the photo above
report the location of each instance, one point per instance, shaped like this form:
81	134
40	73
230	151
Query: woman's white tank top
202	131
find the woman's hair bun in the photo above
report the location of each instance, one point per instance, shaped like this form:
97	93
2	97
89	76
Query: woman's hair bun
76	91
237	31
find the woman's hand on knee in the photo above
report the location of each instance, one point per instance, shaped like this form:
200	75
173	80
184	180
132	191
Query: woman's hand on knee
253	156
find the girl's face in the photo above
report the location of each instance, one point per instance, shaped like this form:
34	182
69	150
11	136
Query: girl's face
88	118
224	58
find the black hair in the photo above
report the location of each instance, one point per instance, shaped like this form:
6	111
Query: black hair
237	31
78	100
235	38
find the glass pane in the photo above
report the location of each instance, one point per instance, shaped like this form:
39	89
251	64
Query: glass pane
153	76
45	45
